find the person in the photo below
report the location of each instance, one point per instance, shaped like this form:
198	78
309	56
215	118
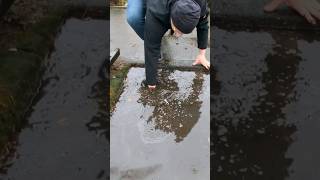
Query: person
151	19
310	9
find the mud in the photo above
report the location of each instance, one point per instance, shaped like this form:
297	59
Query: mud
163	134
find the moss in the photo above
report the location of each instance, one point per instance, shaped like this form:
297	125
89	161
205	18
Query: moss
39	38
33	42
116	84
50	24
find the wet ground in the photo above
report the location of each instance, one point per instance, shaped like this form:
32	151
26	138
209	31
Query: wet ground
250	13
164	134
66	133
265	105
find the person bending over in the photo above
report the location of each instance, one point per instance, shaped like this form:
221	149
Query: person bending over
151	19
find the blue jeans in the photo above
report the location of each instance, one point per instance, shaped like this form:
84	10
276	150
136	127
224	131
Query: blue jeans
136	12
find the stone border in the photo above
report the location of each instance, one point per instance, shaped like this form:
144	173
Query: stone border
121	7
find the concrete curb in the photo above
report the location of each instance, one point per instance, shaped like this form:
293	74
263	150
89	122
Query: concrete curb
120	7
174	67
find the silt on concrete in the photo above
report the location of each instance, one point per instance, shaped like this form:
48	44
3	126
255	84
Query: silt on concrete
164	134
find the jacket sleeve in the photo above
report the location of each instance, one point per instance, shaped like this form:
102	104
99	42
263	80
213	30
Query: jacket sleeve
202	32
153	34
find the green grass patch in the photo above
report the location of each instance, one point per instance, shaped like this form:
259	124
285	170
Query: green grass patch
116	84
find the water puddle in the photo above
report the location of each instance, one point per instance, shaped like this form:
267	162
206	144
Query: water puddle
265	105
66	135
163	134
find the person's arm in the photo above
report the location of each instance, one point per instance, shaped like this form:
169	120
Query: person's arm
202	38
153	34
310	9
203	31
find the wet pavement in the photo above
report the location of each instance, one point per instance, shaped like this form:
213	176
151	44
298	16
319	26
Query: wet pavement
250	13
265	105
164	134
179	51
66	133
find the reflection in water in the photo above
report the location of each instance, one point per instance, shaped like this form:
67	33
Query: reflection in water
175	111
100	122
251	133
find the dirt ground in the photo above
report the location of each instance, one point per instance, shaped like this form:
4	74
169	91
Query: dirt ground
21	15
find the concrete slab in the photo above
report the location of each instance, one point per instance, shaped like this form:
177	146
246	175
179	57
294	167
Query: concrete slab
266	105
249	13
164	134
124	38
179	52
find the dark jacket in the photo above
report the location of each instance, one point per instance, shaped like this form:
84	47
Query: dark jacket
157	24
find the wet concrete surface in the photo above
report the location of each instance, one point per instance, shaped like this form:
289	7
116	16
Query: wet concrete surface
178	51
131	46
66	136
250	13
164	134
265	105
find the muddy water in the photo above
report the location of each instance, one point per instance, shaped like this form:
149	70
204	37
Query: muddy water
164	134
265	105
66	134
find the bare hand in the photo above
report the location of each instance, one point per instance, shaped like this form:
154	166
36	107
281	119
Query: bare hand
201	59
310	9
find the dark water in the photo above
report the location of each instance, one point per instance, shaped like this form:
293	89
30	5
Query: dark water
4	6
265	105
66	133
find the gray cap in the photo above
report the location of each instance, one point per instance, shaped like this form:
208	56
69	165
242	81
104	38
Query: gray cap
185	15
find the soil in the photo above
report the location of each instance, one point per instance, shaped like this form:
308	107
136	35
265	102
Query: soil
21	15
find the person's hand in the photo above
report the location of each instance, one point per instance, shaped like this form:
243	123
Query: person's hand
201	59
310	9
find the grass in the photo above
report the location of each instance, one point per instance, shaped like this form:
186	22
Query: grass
118	77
